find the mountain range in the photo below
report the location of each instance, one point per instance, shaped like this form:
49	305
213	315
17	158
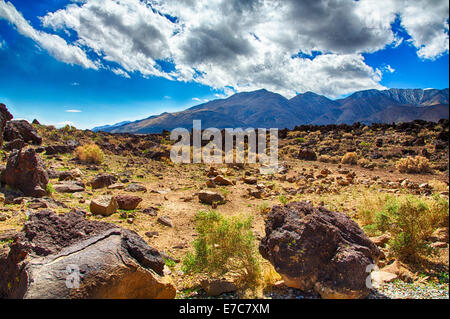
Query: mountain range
265	109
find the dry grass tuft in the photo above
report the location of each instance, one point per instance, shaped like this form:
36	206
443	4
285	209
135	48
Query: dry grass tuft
90	153
416	165
350	158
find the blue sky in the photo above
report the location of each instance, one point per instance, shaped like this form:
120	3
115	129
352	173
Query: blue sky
88	81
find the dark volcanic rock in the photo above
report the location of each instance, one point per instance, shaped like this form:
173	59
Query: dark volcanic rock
59	149
5	116
25	171
23	130
14	145
313	248
307	154
67	256
128	202
102	180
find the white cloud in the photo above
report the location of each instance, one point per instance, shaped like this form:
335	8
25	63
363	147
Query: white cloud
74	84
120	72
234	45
73	111
387	69
55	45
64	123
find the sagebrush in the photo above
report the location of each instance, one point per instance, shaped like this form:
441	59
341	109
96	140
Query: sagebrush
90	153
224	244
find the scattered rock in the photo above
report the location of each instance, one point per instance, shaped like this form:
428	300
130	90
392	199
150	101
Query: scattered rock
151	234
381	240
250	180
16	144
104	205
102	180
152	211
135	187
210	198
210	184
215	287
314	248
439	235
69	187
220	180
116	186
25	171
128	202
400	270
165	220
381	277
59	149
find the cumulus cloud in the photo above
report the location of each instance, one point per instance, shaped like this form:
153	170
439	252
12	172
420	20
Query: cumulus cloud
284	46
55	45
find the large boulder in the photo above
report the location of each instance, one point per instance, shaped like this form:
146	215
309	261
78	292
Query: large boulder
314	248
23	130
5	116
26	172
67	256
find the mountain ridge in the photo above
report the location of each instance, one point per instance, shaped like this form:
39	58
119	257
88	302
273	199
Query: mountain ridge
262	108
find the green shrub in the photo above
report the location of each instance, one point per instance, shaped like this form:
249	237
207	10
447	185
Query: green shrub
49	189
365	144
283	199
224	244
410	220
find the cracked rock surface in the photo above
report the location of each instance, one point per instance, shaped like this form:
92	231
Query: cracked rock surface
68	256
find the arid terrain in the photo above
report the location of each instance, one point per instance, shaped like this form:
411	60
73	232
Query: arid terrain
352	169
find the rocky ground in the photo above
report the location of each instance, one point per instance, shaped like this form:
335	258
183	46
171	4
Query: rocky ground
138	188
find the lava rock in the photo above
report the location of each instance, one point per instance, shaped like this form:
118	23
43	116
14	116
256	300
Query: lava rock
314	248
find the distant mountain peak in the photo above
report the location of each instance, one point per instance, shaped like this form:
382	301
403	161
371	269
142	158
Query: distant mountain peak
262	108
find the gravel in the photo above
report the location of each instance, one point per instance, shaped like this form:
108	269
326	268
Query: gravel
402	290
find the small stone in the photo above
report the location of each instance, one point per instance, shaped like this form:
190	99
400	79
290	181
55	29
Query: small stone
135	187
209	197
152	211
216	287
250	180
220	180
116	186
165	220
151	234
